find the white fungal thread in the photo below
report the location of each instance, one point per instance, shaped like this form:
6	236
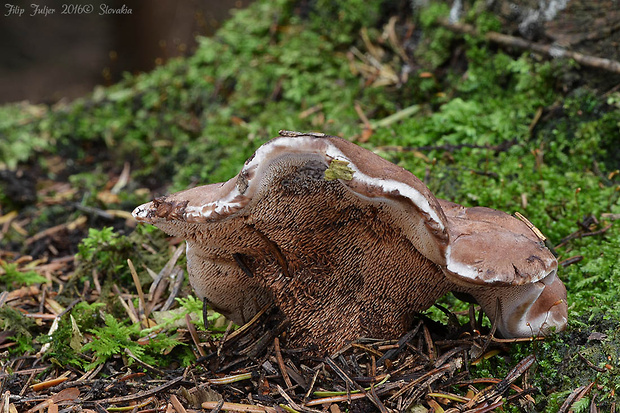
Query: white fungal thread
221	206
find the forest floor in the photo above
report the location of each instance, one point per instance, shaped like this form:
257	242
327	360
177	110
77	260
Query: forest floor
96	313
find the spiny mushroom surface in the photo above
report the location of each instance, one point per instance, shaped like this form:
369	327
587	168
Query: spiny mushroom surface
349	245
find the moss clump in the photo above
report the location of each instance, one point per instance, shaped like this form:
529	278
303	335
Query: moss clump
19	326
105	253
339	170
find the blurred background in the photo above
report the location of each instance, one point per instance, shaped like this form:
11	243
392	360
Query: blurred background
46	58
49	57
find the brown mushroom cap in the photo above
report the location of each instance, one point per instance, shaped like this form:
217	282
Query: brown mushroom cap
374	179
506	267
344	242
491	247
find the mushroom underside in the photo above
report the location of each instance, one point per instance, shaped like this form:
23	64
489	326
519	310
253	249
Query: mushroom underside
533	309
339	269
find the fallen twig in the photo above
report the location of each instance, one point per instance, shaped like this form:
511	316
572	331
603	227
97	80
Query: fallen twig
574	397
352	384
549	50
502	147
580	234
141	394
392	353
571	260
287	379
143	364
237	407
490	393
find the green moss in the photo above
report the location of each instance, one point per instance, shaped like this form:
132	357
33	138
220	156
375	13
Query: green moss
20	326
104	251
338	170
562	363
65	343
12	277
21	133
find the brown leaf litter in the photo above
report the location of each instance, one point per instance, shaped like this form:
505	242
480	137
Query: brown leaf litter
252	370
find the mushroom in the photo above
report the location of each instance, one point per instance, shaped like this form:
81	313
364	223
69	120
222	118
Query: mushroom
504	264
348	245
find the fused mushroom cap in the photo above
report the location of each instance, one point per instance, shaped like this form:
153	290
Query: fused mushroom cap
480	250
414	208
547	309
327	228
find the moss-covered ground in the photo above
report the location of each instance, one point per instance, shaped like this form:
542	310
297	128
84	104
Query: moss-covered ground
480	125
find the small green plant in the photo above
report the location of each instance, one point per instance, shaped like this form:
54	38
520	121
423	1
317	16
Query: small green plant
189	305
20	326
11	276
117	338
105	251
109	337
112	339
